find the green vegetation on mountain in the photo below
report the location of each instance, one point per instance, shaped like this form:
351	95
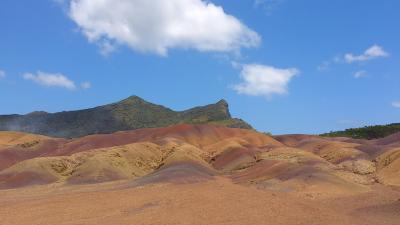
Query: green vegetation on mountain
129	114
368	132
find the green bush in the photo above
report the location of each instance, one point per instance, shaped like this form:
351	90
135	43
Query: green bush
368	132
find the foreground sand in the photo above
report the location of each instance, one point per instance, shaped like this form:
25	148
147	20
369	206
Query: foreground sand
215	201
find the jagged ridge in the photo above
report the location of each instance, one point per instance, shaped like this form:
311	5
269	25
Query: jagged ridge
128	114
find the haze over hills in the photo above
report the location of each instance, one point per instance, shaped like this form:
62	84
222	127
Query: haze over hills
128	114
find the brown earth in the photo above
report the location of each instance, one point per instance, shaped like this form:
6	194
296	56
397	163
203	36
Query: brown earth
198	174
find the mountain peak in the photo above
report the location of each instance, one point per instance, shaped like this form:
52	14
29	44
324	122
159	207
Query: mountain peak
223	102
128	114
132	100
224	106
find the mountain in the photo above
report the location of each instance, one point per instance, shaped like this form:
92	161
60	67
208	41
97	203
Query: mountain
128	114
368	132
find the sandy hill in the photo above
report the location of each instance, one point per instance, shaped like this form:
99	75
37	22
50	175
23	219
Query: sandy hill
292	162
231	174
18	138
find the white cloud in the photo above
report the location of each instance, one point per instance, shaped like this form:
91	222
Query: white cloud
360	74
396	104
263	80
50	80
373	52
2	74
156	26
86	85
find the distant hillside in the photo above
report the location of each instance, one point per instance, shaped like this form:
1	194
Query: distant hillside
368	132
129	114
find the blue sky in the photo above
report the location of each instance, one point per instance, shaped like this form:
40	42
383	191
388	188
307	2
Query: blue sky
284	66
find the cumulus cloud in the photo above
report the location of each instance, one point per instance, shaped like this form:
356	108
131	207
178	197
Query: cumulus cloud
156	26
360	74
396	104
373	52
2	74
264	80
50	80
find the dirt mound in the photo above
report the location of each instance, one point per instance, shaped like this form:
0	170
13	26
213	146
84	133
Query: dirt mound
106	164
102	158
293	140
17	138
245	156
177	173
16	147
199	136
333	151
288	169
389	140
93	166
12	155
388	165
